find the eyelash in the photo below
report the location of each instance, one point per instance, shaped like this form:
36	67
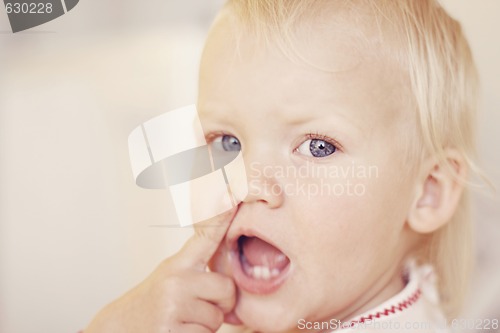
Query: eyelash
323	137
210	137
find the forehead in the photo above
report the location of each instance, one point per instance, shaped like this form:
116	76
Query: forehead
344	34
329	61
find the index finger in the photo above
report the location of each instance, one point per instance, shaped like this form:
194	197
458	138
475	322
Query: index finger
207	237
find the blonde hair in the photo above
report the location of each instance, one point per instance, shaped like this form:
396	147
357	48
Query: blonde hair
430	46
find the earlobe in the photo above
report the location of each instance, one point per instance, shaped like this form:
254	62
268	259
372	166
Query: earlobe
438	193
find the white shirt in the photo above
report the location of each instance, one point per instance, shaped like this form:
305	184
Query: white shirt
414	309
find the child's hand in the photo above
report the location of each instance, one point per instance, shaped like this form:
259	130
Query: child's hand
180	295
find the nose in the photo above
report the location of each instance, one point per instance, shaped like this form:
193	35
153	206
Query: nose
264	185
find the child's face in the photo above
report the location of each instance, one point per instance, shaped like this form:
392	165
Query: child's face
343	232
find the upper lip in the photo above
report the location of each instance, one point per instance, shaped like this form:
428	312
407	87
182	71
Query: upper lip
232	241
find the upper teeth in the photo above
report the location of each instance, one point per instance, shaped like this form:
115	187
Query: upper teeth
263	272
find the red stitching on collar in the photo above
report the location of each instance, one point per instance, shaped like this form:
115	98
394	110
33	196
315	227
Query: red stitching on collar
412	299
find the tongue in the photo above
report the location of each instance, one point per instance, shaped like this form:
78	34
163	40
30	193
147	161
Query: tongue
260	253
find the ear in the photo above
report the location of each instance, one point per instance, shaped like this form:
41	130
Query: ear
438	192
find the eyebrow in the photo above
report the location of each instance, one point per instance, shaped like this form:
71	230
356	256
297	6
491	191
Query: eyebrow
212	115
301	118
335	114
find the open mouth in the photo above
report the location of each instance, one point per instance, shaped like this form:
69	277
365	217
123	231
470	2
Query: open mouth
258	266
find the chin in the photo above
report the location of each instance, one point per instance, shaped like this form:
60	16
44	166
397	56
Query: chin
267	313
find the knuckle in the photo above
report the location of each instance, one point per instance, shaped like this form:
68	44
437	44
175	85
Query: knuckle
218	318
215	318
173	284
197	329
228	288
170	311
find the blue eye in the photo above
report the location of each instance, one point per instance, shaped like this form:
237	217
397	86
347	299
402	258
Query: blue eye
228	143
317	148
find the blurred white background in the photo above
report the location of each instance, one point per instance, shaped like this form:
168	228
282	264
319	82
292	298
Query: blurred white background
75	232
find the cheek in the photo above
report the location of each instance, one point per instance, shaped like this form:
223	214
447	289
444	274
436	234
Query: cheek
359	218
335	225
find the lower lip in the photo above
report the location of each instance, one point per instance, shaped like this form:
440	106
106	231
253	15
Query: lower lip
256	286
